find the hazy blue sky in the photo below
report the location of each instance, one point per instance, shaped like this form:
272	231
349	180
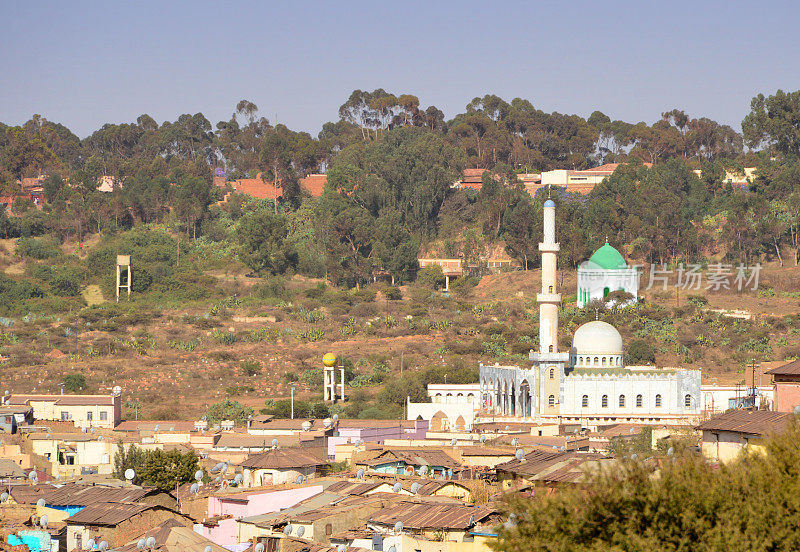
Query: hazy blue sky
87	63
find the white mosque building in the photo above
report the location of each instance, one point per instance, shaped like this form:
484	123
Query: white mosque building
589	383
605	272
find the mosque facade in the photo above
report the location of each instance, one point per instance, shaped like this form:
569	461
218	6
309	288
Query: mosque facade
589	382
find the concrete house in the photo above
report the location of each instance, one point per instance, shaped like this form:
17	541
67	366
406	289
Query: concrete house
280	466
725	436
85	411
786	384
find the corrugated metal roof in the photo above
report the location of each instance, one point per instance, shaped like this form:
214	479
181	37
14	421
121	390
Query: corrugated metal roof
416	457
284	459
108	513
427	515
754	422
791	369
72	494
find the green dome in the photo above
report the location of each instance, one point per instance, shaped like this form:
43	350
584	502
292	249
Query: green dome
609	258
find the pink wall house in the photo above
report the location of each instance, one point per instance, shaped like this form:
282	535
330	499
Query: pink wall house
254	503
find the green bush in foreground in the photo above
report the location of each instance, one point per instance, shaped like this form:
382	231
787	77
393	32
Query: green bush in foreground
684	504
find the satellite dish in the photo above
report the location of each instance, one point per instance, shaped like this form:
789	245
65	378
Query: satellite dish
275	442
150	542
208	548
670	451
91	430
327	423
198	475
797	409
398	527
360	473
259	547
514	442
397	487
634	456
237	478
46	437
3	497
130	474
392	548
306	426
156	428
472	519
215	468
508	427
194	489
359	442
483	438
414	487
520	454
90	544
287	530
453	442
41	502
117	390
423	470
217	479
300	531
100	438
341	548
103	545
140	544
335	417
299	479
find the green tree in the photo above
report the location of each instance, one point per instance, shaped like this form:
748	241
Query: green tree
158	468
264	246
774	121
74	382
228	410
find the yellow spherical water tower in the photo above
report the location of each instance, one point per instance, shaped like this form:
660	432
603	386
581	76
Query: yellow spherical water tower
329	379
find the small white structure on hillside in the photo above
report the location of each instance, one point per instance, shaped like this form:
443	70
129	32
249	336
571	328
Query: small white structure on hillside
605	272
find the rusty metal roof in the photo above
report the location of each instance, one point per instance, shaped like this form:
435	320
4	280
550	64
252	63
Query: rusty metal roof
73	494
791	369
284	459
416	457
753	422
428	515
351	488
108	513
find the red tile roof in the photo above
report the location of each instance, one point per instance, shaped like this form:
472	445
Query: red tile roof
314	184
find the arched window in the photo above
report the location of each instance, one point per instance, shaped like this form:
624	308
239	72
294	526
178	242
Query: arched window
551	400
585	401
658	401
552	373
604	361
622	401
551	289
687	401
638	401
604	401
597	361
550	349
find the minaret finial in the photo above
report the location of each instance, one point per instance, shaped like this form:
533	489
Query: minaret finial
548	190
606	238
596	314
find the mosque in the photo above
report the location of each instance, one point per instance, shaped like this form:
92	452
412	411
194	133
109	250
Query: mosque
589	383
605	272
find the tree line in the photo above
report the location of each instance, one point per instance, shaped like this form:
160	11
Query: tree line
391	163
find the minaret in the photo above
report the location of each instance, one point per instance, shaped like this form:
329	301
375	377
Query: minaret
549	300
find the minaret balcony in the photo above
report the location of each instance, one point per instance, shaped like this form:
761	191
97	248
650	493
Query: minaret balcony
548	297
549	247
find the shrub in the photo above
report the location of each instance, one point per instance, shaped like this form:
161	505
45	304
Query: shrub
74	382
250	367
37	248
393	293
640	352
431	277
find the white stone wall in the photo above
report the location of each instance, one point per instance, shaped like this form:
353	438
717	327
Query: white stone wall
671	387
595	280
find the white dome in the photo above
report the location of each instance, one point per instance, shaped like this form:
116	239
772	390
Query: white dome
597	338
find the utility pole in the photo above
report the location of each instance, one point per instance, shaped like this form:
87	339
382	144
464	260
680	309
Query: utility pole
292	402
